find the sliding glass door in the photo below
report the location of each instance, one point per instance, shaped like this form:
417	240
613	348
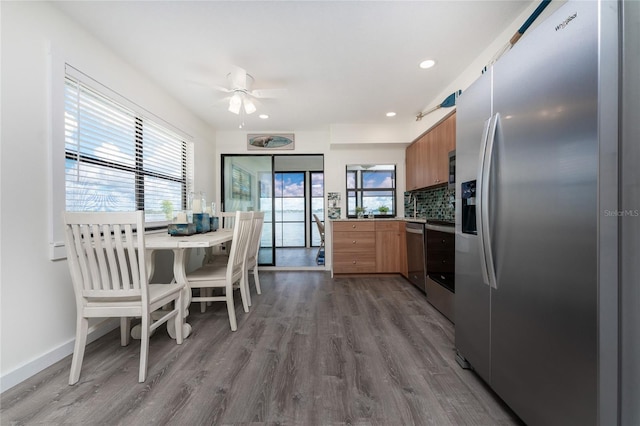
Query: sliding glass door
247	185
290	190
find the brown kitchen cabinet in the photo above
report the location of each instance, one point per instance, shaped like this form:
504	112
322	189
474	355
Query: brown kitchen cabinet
354	247
368	246
427	158
391	251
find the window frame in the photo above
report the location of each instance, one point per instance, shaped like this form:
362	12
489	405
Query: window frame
360	189
59	156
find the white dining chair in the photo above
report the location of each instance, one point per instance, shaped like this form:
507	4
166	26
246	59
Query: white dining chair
218	254
251	261
226	275
106	258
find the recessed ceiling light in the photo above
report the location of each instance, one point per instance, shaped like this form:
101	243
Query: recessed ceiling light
391	114
427	64
263	116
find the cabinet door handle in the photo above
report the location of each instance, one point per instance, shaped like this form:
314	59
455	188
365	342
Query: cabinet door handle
353	226
353	242
354	262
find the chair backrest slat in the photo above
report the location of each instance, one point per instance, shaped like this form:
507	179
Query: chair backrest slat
122	257
94	282
99	250
76	255
110	250
135	278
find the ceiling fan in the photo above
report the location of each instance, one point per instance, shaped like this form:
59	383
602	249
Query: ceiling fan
241	94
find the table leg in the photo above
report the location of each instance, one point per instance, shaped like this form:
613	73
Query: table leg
180	257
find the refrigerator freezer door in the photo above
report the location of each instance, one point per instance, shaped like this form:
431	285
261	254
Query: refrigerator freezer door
543	212
472	295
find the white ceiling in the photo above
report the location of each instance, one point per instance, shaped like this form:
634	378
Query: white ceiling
340	61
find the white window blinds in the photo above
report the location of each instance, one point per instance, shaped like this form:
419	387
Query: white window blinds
119	159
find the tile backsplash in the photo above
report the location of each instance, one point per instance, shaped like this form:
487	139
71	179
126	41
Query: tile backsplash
431	203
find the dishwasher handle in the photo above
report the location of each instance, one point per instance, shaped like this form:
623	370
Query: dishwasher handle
419	231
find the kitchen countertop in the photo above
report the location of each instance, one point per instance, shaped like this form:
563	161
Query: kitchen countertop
442	227
404	219
437	222
366	218
415	219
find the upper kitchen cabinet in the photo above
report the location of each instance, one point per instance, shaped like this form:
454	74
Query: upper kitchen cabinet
427	158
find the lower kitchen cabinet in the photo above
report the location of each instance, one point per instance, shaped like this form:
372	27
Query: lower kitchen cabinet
391	251
354	247
368	246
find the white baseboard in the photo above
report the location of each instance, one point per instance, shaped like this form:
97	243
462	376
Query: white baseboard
31	368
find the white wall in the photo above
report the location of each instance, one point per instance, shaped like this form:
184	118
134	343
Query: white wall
38	308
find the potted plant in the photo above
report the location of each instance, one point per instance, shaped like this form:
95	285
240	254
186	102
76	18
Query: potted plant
383	209
360	212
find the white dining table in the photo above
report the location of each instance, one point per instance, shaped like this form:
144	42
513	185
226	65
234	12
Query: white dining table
180	245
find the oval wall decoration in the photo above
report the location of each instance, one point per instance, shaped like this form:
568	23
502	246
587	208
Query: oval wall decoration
270	141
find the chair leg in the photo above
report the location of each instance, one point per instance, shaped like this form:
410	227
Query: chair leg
125	331
243	293
231	308
256	279
205	292
245	280
144	346
82	326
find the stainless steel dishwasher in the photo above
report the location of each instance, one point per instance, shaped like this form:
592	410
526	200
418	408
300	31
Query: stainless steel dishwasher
415	255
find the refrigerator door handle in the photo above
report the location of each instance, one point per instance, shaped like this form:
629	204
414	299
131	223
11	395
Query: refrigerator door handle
483	224
479	191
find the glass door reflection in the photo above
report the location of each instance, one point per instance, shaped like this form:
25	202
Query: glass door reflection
245	179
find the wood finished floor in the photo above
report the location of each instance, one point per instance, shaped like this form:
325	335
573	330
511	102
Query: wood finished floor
312	351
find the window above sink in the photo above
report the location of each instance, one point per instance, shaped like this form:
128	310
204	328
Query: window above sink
371	190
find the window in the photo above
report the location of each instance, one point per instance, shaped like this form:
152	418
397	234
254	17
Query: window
371	189
290	210
119	159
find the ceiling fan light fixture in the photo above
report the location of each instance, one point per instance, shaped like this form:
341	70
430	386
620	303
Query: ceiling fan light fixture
235	103
249	107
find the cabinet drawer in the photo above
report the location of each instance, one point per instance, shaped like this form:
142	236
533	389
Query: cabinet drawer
387	225
354	226
354	263
353	241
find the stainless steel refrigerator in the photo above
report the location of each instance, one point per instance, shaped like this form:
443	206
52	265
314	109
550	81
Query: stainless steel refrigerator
537	219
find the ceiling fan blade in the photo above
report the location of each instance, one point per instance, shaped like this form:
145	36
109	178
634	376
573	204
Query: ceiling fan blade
209	86
222	89
268	93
